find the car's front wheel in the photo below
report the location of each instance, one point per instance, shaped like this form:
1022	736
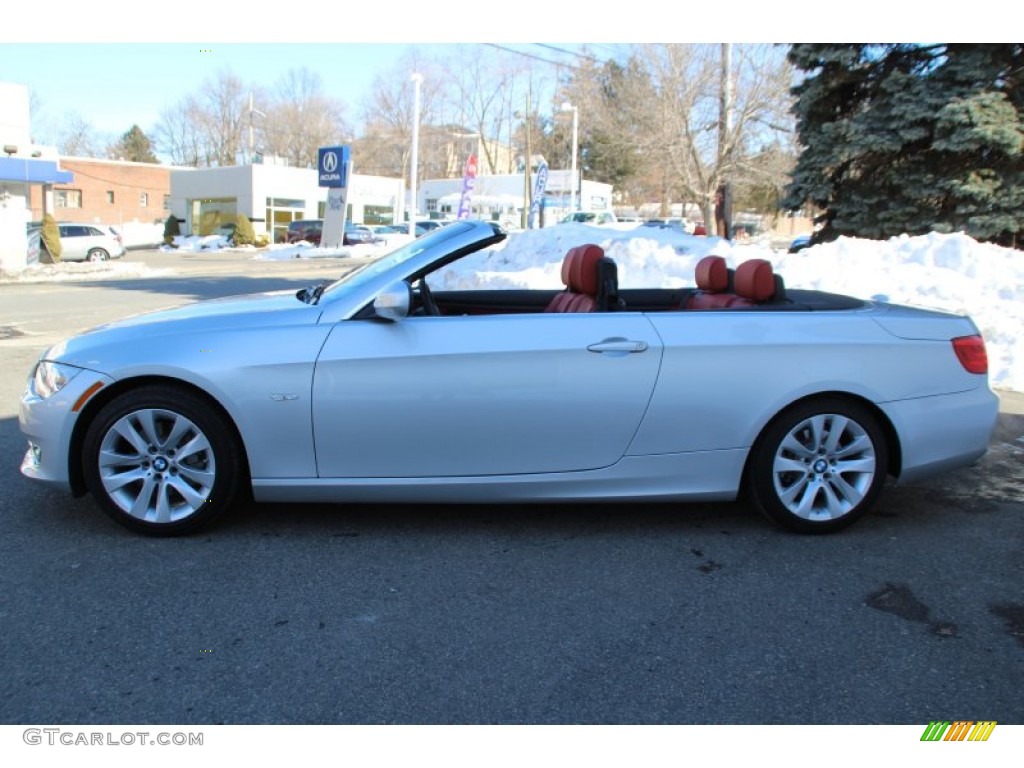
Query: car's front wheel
97	254
160	460
819	466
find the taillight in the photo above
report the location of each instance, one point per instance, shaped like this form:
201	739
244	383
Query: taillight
970	351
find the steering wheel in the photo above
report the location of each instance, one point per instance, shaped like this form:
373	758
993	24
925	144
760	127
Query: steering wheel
427	298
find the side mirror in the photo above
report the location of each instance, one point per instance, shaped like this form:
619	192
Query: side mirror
393	303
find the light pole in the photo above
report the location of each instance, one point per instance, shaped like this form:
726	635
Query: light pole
417	78
567	107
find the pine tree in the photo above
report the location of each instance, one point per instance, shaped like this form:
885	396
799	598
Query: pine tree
244	233
50	235
172	228
911	138
133	145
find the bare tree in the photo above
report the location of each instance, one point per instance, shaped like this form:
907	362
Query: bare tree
694	145
653	125
78	137
388	116
206	129
301	118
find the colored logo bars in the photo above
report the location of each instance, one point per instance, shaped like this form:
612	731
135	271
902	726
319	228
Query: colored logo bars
958	730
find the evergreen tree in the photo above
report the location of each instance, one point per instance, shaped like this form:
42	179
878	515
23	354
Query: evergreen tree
911	138
133	145
172	229
244	233
50	235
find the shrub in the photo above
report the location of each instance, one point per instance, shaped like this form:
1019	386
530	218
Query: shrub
50	236
244	234
172	228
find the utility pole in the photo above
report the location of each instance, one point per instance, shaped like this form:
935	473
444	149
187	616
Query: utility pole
252	111
527	199
723	197
417	78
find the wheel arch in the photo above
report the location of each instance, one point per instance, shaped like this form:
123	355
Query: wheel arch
76	476
895	454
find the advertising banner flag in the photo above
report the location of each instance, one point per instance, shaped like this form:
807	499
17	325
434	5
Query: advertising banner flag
538	193
468	186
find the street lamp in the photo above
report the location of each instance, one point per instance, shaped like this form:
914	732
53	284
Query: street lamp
567	107
417	78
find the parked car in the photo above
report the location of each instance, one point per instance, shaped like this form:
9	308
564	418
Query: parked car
305	229
590	217
676	223
799	243
84	242
430	225
311	230
383	387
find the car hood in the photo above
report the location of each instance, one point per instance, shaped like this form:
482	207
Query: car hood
273	309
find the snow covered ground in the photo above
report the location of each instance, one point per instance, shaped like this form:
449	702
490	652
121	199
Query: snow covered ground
278	252
948	272
80	271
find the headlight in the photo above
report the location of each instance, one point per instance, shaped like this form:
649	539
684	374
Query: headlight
50	378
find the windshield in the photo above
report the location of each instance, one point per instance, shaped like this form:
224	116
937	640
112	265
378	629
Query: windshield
357	277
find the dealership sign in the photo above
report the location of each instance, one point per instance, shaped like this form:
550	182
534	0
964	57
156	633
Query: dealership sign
332	166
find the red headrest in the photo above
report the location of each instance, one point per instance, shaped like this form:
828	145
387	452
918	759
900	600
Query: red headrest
712	274
755	280
579	269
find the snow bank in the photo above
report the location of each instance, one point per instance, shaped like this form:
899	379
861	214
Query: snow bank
304	250
949	272
81	271
138	235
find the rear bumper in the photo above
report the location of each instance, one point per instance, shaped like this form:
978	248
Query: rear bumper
943	432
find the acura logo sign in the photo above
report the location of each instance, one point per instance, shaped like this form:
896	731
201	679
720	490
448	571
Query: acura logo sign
330	162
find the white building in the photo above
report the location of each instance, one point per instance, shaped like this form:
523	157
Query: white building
500	198
22	166
272	196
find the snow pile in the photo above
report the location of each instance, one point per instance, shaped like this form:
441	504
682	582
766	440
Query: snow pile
80	271
949	272
197	243
304	250
135	234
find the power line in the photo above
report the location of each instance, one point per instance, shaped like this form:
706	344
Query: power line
533	56
571	53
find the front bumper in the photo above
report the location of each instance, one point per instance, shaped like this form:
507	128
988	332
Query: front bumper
48	425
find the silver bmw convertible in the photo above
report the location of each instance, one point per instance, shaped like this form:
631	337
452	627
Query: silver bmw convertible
381	387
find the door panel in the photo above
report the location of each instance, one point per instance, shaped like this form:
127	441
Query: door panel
481	395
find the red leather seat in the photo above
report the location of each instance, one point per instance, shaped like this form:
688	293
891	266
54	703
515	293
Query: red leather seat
755	283
581	274
712	276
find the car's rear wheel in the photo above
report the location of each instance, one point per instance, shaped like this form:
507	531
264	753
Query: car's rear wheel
819	466
160	460
97	254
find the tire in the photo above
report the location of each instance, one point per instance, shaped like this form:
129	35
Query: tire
97	254
819	466
135	461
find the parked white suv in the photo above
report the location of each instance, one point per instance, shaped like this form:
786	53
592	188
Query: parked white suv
90	242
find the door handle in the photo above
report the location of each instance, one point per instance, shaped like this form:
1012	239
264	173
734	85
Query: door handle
618	344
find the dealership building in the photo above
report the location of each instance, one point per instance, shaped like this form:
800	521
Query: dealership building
272	196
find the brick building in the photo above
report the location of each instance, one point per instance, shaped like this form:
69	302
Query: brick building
108	192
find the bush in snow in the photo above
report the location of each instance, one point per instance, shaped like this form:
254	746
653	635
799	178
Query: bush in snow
172	228
244	234
50	235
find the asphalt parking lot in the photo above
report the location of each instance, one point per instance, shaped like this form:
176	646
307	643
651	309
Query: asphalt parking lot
640	613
